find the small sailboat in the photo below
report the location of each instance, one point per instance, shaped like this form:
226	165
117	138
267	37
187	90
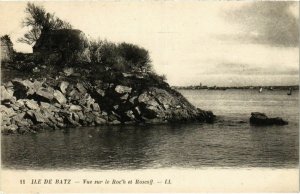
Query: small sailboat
290	91
260	90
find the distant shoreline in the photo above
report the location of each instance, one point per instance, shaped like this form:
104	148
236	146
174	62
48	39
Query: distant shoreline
293	87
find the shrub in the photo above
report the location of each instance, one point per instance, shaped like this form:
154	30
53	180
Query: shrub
103	52
135	57
122	57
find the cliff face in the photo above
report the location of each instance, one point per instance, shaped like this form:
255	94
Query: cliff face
68	101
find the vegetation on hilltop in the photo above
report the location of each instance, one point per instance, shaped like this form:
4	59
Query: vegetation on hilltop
108	60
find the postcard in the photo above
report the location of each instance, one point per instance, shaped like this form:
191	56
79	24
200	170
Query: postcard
149	96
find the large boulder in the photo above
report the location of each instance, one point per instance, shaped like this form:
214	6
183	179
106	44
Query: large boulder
36	116
122	89
258	118
44	94
71	44
63	86
59	97
7	112
31	104
6	94
22	88
157	103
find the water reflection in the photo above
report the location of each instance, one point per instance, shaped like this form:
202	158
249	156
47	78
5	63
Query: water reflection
230	142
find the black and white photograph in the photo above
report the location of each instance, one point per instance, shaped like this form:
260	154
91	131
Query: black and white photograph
149	96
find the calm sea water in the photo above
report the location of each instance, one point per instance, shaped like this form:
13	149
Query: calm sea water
230	142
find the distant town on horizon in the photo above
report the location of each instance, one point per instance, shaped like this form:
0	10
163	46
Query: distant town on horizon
200	87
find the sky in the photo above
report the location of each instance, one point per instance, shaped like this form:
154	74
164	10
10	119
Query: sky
223	43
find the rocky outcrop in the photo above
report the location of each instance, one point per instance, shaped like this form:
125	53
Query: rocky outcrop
258	118
31	106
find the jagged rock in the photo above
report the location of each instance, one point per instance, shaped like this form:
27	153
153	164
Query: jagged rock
13	106
155	121
20	121
59	97
127	74
258	118
22	88
57	105
132	100
75	108
31	104
164	97
47	112
6	94
19	116
44	94
144	97
122	89
36	85
75	117
119	104
100	92
68	71
81	116
36	116
52	122
81	88
95	107
97	114
137	109
7	112
58	118
150	112
124	97
11	128
72	121
100	121
89	117
22	83
45	105
112	117
74	94
115	122
20	103
130	114
63	86
8	85
209	116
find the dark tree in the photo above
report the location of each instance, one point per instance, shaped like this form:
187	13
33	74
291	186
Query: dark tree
137	58
39	20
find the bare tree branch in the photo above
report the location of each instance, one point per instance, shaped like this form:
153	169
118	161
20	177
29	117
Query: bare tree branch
38	20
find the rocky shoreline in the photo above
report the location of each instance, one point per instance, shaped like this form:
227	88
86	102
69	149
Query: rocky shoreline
30	106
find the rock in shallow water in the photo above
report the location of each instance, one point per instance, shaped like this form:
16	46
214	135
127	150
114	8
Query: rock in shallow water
258	118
